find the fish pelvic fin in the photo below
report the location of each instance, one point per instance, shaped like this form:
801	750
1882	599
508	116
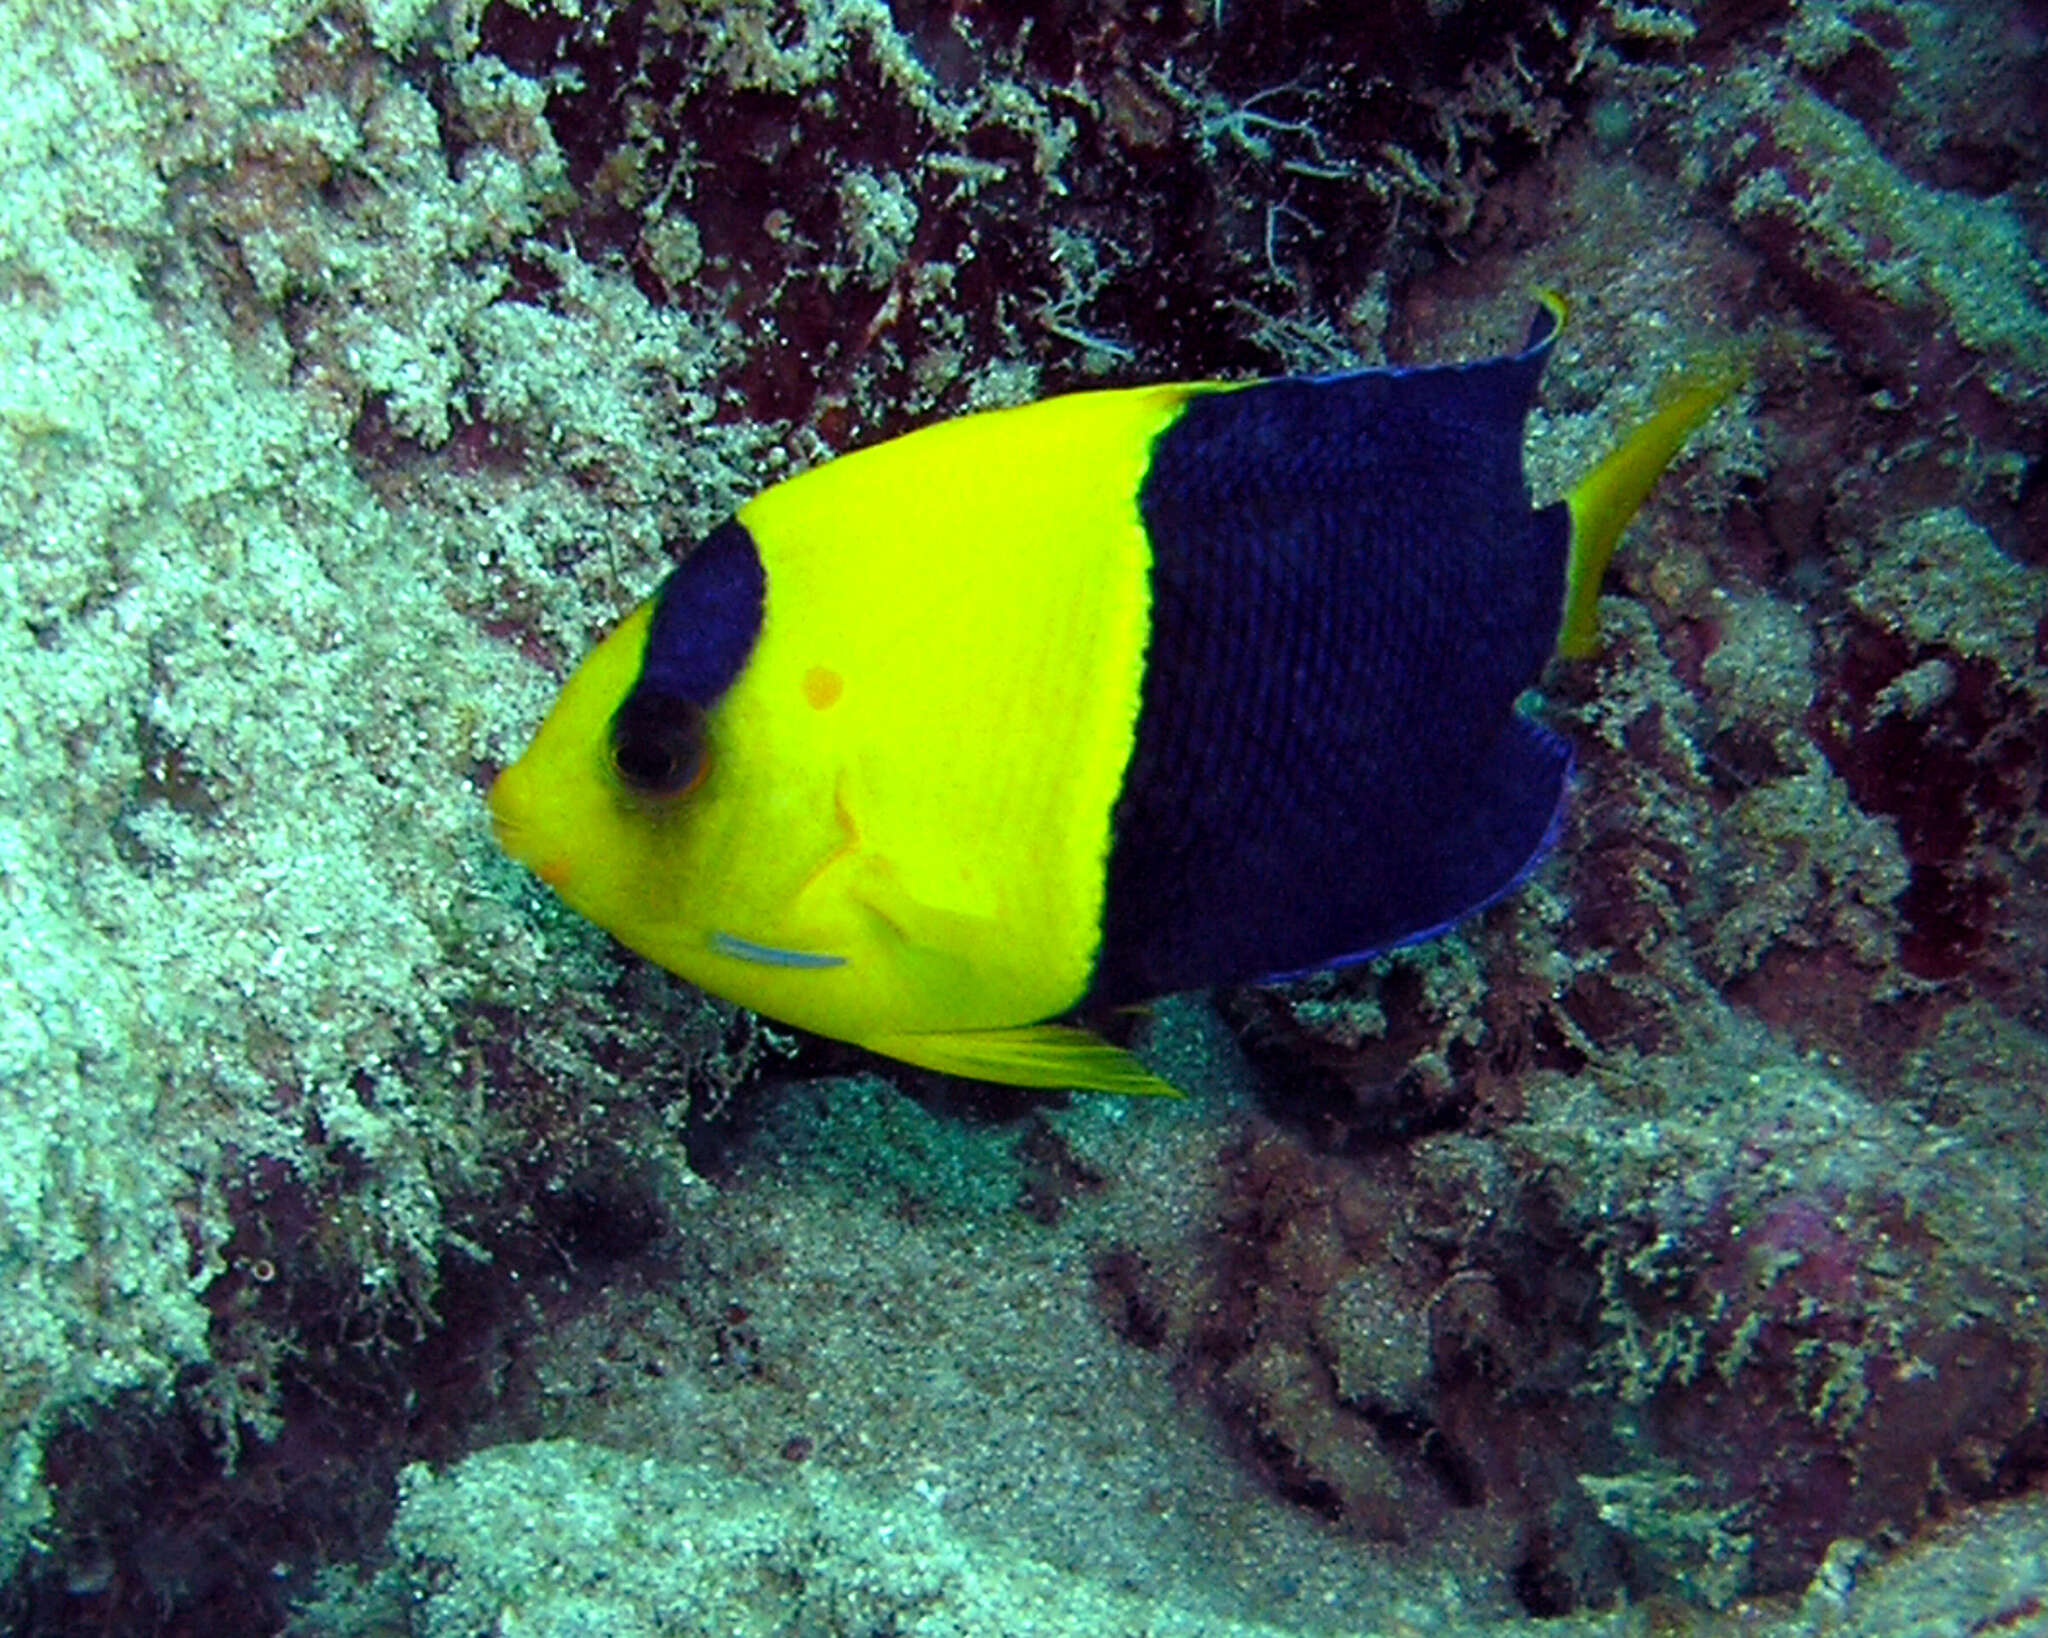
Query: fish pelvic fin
1603	502
1048	1055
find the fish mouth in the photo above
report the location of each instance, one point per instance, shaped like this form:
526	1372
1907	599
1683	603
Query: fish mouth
505	823
509	806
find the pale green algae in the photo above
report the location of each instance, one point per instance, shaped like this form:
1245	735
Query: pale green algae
245	886
1967	259
1843	197
1940	578
561	1540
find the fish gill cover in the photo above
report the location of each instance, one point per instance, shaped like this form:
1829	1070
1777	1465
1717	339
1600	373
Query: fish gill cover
381	1244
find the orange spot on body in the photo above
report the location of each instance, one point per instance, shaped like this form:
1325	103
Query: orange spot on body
555	872
823	687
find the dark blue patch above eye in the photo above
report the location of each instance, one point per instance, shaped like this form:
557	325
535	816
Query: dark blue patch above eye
707	618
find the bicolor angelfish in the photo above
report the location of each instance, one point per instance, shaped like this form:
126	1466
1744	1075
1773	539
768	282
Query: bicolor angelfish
1089	701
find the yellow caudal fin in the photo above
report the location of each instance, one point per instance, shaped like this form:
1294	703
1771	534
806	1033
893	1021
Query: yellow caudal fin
1049	1055
1607	497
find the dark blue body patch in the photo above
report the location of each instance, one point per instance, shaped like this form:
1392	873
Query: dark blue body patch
707	618
1349	591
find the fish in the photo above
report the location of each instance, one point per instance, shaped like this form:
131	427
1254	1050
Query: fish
1080	703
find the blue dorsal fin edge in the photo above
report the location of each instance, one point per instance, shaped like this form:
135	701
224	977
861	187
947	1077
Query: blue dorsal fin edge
1545	325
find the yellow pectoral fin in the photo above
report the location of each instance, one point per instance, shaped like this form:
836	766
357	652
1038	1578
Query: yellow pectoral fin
1050	1055
945	965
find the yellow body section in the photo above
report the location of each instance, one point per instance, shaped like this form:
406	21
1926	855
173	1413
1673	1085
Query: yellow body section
902	837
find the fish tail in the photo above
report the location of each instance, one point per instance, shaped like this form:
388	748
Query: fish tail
1603	501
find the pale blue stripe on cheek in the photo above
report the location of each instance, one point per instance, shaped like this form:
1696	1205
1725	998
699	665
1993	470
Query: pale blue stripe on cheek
767	955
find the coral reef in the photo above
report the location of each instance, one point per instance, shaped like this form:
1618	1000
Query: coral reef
1671	1236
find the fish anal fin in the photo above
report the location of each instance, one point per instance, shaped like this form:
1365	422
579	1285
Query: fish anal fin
1048	1055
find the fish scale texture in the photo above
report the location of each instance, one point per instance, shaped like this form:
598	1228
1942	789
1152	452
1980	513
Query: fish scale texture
1349	591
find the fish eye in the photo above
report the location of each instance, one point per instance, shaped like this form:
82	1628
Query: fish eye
658	744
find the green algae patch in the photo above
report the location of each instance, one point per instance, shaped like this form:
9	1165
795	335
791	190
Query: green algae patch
1941	579
259	941
563	1539
1924	249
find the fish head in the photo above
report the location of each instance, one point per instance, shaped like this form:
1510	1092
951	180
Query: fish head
599	805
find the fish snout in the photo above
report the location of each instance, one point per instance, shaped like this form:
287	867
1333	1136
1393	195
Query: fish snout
511	801
506	809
